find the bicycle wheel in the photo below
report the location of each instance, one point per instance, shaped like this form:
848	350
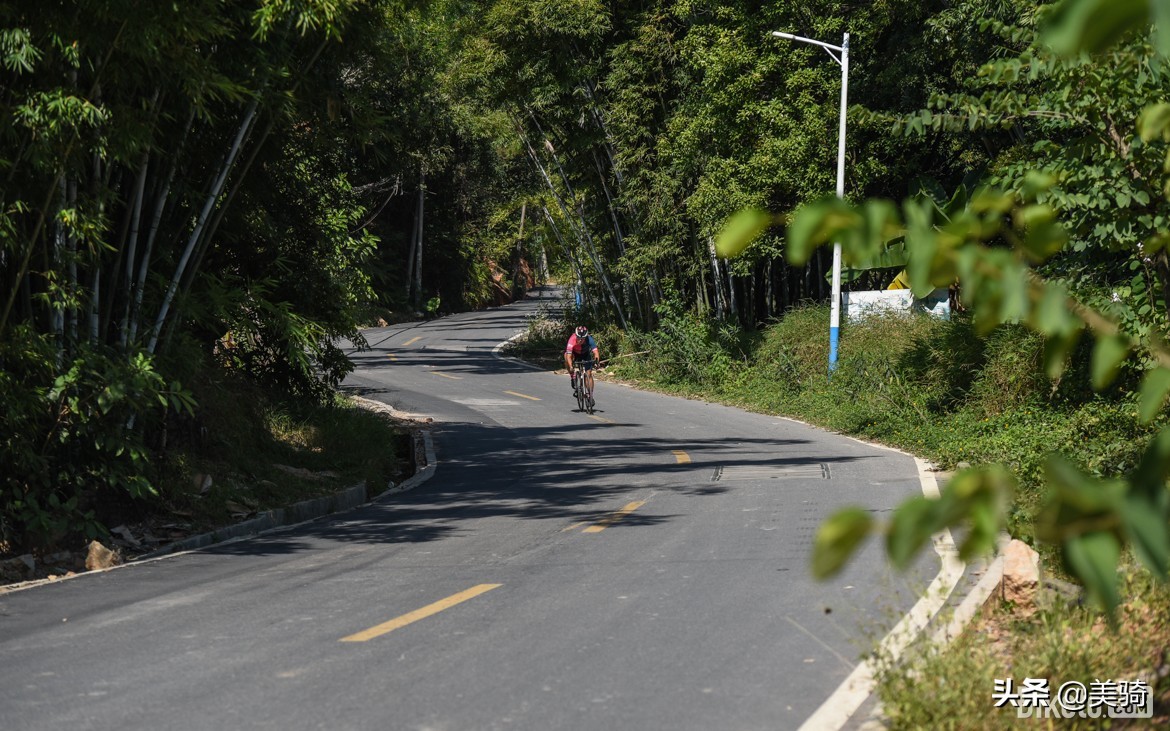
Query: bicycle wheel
589	403
580	391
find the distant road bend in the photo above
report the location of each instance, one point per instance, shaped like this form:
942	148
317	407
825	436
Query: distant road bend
645	567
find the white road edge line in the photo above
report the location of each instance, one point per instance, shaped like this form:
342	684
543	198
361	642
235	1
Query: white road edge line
836	711
500	356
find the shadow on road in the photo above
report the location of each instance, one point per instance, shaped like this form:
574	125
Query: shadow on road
564	474
568	474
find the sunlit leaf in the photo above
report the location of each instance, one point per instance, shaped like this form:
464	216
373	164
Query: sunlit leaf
983	535
1108	355
1035	183
1092	25
740	231
837	539
987	200
1160	12
1154	122
1149	533
816	224
913	524
1152	396
922	244
1093	558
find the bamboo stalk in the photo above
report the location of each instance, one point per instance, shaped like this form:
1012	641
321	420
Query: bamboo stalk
208	206
156	219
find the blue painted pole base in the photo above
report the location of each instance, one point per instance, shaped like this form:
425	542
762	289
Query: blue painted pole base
834	337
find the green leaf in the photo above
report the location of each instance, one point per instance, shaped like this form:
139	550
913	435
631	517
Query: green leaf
1149	479
1108	355
1086	493
986	524
914	522
837	539
989	200
1051	315
1154	122
818	223
1092	25
1036	183
1056	351
1155	386
1045	237
1093	558
1160	11
922	244
1149	533
741	230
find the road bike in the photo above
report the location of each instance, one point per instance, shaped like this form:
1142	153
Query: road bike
584	398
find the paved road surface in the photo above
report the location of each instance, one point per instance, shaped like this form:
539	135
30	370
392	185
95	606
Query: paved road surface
643	568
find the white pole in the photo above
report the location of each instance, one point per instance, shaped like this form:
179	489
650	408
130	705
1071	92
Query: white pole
835	311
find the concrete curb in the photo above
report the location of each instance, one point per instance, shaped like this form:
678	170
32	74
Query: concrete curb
301	512
971	605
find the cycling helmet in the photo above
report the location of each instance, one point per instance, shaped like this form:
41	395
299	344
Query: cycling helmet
582	331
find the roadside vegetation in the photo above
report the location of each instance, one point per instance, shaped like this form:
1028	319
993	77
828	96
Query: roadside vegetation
255	449
951	688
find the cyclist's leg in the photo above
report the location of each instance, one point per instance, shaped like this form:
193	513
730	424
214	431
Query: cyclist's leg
589	378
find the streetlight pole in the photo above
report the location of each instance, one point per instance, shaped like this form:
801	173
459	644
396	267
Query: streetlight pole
843	60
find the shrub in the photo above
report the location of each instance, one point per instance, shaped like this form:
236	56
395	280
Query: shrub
1012	374
71	440
688	350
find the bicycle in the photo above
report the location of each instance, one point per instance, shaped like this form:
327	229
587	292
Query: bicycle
584	398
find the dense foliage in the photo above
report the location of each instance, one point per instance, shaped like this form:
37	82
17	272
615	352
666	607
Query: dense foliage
199	186
992	245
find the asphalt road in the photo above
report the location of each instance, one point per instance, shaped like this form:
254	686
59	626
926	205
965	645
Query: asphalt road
645	567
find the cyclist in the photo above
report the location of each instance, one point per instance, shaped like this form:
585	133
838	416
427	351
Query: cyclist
581	348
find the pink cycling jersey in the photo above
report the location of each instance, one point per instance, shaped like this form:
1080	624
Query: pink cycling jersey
581	347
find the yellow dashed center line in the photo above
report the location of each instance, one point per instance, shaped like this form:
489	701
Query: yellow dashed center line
445	375
602	419
530	398
681	457
415	339
614	517
416	615
391	356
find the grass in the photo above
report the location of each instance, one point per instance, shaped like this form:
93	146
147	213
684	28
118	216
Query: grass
951	687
